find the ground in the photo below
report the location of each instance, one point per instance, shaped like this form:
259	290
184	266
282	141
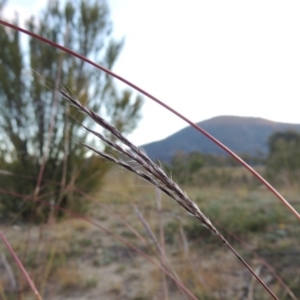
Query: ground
75	259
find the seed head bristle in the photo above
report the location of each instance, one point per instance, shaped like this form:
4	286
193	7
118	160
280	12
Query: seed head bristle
151	171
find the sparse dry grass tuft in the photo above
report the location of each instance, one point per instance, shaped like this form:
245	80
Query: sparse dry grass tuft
69	277
64	247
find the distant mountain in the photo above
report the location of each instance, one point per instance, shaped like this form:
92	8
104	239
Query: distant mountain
240	134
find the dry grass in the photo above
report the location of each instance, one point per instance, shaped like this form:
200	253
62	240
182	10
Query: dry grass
94	263
153	173
63	253
74	244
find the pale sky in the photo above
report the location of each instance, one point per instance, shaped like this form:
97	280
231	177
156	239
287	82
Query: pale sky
207	58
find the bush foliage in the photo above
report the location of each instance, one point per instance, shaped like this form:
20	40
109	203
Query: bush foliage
41	135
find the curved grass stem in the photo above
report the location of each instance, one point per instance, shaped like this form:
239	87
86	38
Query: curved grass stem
198	128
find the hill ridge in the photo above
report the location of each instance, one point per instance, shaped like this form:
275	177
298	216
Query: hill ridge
240	134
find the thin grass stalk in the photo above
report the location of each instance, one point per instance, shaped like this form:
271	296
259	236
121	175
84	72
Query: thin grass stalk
252	283
27	243
265	263
155	175
51	128
148	229
25	251
160	222
157	244
141	238
191	208
164	260
73	188
66	130
198	128
10	273
161	237
49	265
123	220
207	223
2	293
184	240
20	266
108	231
189	259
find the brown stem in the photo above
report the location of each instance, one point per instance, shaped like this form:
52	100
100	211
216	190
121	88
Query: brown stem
20	266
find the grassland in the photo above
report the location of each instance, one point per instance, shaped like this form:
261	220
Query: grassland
73	259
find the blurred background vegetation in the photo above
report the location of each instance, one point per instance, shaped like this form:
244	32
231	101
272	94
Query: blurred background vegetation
281	166
42	158
41	135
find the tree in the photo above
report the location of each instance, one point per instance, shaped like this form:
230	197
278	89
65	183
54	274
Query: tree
283	161
41	135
